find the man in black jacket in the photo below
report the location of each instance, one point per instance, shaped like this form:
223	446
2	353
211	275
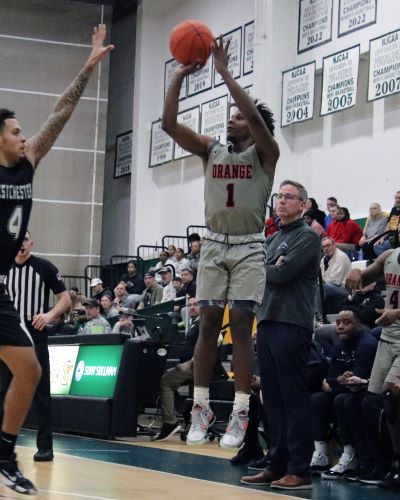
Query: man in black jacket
181	374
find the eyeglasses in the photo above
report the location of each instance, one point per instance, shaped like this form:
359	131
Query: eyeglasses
288	196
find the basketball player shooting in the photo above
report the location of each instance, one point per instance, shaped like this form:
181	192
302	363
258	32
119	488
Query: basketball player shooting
238	182
19	158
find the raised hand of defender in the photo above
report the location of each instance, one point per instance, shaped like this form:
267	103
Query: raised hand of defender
220	54
99	50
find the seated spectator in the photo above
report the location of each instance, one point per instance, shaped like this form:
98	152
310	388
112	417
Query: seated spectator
98	290
77	300
351	363
125	323
271	224
96	323
366	301
134	281
108	308
153	292
169	292
171	252
345	231
335	266
331	203
317	214
193	237
309	219
374	226
164	261
194	256
123	298
181	262
391	240
189	285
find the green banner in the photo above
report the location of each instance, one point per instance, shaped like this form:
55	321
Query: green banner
96	370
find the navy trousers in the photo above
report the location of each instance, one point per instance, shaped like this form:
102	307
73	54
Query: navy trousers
283	352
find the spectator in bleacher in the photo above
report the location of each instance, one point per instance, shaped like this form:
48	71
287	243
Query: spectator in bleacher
345	231
171	252
181	262
351	363
308	217
98	290
108	308
134	281
153	292
193	237
331	202
194	256
95	322
271	224
164	261
123	298
366	301
317	214
335	266
189	285
180	375
169	292
125	323
391	240
374	226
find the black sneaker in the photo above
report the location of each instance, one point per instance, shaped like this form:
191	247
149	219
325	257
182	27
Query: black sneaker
11	476
43	455
373	477
246	455
392	479
167	430
260	464
357	474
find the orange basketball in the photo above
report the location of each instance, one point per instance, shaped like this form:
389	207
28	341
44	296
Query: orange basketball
191	41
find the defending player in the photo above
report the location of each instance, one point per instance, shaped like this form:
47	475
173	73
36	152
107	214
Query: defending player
238	182
19	158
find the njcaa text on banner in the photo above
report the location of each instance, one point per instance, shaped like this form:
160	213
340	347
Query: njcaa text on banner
339	80
384	66
355	15
190	118
161	145
298	94
315	24
213	118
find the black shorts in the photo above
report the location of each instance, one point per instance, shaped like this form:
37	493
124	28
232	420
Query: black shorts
11	331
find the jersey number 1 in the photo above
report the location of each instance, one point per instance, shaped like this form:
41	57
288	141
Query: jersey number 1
229	199
15	222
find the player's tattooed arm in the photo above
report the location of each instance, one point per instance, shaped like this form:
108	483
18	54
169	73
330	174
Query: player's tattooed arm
42	142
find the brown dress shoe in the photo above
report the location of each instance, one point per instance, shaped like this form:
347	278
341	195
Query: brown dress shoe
292	482
263	478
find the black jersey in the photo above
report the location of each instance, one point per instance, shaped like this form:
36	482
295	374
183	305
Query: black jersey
29	284
15	209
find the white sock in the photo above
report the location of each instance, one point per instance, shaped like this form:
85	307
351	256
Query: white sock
348	449
321	447
241	402
201	396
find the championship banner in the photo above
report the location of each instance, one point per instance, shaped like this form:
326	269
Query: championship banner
161	145
235	55
169	71
248	48
355	15
298	94
201	80
214	117
190	118
315	24
384	66
339	80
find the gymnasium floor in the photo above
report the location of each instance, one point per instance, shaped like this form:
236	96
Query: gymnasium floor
86	468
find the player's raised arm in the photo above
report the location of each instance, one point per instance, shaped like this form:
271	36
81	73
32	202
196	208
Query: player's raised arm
42	142
266	145
184	136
